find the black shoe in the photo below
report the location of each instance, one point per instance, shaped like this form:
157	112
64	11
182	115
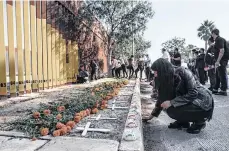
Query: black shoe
211	89
224	93
195	128
179	125
214	91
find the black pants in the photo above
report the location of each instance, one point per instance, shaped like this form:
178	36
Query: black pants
206	76
137	70
189	113
113	72
81	80
131	70
124	71
212	78
93	73
118	71
221	76
147	73
201	74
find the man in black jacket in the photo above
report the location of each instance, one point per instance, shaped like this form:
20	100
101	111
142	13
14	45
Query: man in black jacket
210	63
200	66
221	56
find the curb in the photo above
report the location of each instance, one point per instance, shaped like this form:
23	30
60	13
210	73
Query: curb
132	139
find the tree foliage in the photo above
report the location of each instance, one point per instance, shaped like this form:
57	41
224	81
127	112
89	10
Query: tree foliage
123	48
121	19
173	43
204	31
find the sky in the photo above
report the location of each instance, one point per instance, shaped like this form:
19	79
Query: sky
181	18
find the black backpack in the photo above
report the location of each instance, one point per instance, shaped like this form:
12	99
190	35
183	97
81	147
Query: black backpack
226	49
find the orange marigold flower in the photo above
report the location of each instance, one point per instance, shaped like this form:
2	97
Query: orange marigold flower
36	115
59	116
44	131
60	108
46	112
59	125
56	133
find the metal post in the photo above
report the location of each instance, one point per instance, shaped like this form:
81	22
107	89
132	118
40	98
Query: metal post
132	33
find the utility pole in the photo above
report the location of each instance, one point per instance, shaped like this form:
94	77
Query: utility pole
132	31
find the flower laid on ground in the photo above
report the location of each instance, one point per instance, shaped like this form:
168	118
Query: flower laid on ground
59	118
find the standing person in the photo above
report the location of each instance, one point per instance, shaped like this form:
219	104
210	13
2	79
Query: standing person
166	55
140	67
94	67
182	97
123	65
113	65
221	56
177	58
210	62
118	69
200	64
131	66
147	65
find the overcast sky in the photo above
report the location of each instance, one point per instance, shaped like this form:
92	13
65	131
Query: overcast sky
181	18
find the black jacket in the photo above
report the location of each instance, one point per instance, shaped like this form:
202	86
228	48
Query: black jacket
200	61
209	58
188	90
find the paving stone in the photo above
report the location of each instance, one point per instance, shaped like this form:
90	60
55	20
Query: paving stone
20	144
80	144
12	133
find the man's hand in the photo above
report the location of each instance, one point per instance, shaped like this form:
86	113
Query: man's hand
166	104
147	119
217	64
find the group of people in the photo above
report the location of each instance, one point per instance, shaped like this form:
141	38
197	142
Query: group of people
212	64
133	67
83	75
179	90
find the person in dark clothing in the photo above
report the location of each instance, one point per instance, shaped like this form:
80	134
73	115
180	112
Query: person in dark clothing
113	66
182	97
83	75
118	69
210	62
177	58
221	56
200	64
131	66
94	68
147	67
123	66
192	62
140	67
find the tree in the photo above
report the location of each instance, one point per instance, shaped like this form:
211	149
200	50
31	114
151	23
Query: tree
121	19
175	42
124	48
188	51
204	31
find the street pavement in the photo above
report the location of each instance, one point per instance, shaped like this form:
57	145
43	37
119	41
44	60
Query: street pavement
157	136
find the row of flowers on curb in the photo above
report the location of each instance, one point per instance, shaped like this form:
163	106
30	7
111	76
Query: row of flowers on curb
58	119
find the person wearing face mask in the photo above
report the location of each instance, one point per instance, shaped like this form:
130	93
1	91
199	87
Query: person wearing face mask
182	97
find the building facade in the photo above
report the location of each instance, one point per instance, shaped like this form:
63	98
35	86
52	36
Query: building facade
39	45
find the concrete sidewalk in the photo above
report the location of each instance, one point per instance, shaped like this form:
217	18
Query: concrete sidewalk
157	136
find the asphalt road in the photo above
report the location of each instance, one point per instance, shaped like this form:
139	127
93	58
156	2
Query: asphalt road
215	137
